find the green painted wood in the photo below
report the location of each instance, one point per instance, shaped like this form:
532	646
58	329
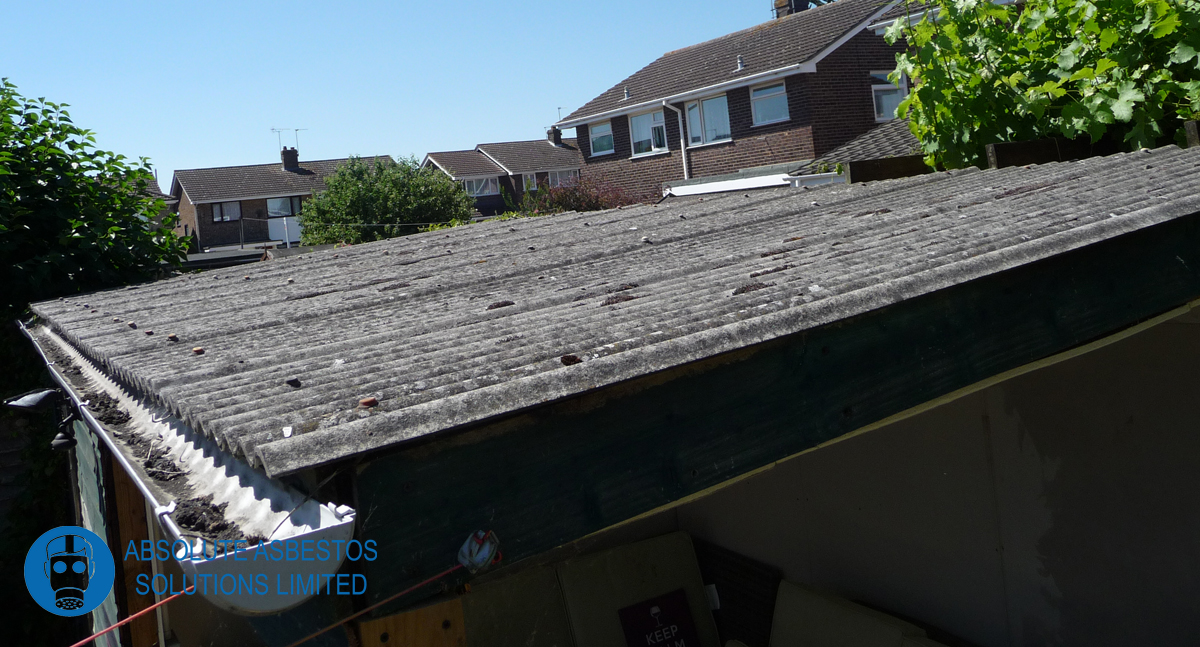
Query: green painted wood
548	477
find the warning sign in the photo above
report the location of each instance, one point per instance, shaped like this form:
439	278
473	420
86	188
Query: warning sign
665	620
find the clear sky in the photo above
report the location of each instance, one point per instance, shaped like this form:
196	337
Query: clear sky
199	84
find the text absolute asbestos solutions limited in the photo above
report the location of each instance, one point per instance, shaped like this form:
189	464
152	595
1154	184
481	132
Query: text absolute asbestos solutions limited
255	583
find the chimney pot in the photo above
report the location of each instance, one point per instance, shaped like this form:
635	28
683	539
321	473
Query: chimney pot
291	159
554	136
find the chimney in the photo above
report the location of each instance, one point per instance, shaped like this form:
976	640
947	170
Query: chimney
554	136
788	7
291	159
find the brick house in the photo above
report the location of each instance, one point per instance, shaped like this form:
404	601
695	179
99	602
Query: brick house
250	206
785	91
489	171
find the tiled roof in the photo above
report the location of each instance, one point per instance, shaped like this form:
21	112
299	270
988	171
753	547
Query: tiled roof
772	45
461	164
891	139
901	9
535	155
258	180
458	326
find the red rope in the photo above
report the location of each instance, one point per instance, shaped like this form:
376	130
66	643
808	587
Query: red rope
373	606
132	617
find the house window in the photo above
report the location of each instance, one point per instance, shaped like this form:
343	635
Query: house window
649	133
559	178
482	186
283	207
769	104
887	96
227	211
602	139
708	120
529	181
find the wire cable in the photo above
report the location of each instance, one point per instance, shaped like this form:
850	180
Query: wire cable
134	616
374	606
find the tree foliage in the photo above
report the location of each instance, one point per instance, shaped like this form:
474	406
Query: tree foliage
580	194
1123	70
72	218
369	200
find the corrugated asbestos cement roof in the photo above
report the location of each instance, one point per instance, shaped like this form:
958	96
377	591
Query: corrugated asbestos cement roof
772	45
420	323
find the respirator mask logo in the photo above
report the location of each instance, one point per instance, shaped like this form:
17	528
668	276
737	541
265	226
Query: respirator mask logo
69	571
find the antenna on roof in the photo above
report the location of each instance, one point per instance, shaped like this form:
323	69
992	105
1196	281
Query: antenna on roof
560	108
278	136
296	133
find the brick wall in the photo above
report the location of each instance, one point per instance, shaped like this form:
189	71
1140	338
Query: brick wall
640	178
186	225
840	91
826	109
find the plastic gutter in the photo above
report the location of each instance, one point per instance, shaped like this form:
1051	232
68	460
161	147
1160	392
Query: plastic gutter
261	506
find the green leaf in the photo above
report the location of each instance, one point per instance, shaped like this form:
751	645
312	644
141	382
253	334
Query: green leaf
1108	37
1166	26
1122	106
1103	65
1183	52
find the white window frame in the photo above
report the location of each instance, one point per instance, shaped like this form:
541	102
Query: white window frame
479	187
699	103
666	147
529	182
787	108
219	210
293	205
555	178
592	139
902	87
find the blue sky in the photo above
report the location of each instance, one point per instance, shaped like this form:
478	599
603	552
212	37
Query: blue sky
200	84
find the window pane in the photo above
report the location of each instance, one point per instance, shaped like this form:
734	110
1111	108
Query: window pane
295	205
660	137
762	92
231	210
640	127
695	134
882	76
602	140
886	102
493	185
716	119
771	108
279	207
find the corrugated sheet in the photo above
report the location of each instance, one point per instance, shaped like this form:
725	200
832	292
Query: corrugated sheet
452	327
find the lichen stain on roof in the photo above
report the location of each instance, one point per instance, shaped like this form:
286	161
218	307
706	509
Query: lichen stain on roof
436	358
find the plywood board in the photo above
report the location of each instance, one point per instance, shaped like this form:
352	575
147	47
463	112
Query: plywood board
437	625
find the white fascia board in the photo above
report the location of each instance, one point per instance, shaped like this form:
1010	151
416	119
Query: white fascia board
494	160
769	75
439	166
758	182
816	179
254	197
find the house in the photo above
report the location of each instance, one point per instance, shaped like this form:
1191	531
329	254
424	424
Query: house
963	401
783	92
232	207
489	171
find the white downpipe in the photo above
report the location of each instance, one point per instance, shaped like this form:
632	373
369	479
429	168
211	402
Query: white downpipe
682	137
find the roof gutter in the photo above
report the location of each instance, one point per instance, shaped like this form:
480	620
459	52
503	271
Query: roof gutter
308	519
682	138
769	75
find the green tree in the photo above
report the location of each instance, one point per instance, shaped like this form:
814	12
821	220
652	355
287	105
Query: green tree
1123	70
72	219
372	200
